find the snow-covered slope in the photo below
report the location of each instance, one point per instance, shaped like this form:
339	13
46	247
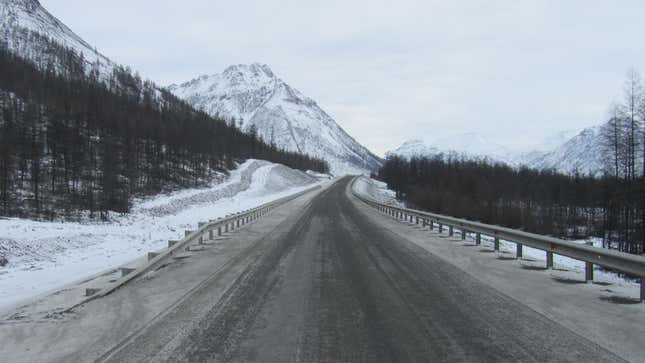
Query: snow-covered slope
16	15
582	153
467	146
252	95
567	152
45	255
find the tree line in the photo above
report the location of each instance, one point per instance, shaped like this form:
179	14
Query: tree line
73	139
610	206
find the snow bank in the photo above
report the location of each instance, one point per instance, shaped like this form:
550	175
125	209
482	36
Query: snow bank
376	190
46	255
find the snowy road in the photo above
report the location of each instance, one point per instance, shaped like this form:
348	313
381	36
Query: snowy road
335	287
323	279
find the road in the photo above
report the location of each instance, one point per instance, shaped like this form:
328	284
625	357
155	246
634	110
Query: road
337	287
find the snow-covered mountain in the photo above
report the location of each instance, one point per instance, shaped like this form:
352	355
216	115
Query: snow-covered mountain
19	16
581	153
253	96
567	152
467	145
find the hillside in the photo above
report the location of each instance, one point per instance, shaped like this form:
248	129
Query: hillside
261	102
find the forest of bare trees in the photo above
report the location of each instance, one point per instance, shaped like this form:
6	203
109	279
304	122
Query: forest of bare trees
624	154
610	206
74	141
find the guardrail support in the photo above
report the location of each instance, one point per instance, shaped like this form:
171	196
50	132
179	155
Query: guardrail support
440	228
478	239
518	250
219	231
210	234
450	231
642	289
91	291
126	271
417	219
463	234
496	244
588	272
549	260
431	225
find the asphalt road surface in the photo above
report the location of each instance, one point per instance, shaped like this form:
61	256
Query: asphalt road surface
336	287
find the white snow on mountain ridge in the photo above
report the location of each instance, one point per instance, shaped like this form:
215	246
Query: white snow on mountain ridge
581	152
253	96
467	146
29	14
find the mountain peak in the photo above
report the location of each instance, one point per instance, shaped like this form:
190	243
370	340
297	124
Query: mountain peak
253	69
29	5
253	96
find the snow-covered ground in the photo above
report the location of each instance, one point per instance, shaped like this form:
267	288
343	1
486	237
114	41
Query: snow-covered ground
378	191
46	255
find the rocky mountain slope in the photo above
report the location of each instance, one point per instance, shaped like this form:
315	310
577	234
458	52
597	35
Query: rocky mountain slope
21	19
255	98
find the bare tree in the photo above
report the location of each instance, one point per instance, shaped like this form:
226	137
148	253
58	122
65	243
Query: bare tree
633	105
612	134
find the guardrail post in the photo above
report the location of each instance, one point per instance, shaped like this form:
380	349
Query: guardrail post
450	231
463	234
496	244
219	231
549	260
642	289
417	219
588	272
518	250
478	239
440	228
210	234
431	225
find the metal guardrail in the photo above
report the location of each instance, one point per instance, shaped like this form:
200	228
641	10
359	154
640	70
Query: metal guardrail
205	232
620	261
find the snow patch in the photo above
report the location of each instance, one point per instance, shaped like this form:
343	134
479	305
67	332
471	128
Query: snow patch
45	255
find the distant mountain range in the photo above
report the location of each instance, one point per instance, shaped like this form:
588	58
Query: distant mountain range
255	98
567	152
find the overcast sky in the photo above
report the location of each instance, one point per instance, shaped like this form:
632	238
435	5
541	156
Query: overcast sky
388	71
